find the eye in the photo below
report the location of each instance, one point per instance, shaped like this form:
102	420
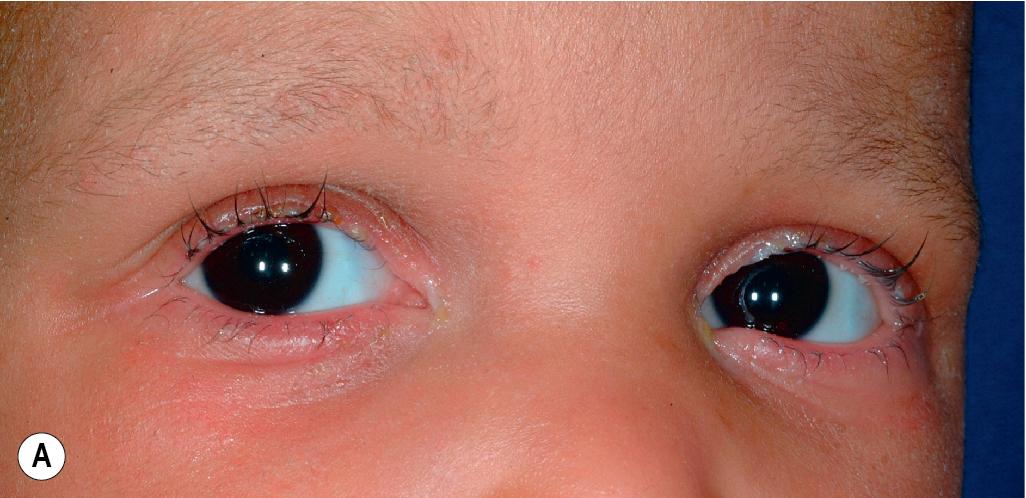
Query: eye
796	295
290	274
816	315
288	268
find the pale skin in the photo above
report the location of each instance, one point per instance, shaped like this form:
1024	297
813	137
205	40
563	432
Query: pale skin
569	172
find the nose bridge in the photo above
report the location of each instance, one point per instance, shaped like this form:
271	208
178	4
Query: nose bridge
627	434
588	329
617	450
618	405
558	240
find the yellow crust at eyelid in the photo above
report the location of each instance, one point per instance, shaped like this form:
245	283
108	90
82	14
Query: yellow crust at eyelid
705	333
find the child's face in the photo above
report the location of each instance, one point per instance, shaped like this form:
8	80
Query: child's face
547	196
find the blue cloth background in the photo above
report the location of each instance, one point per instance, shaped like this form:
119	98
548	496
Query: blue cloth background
994	341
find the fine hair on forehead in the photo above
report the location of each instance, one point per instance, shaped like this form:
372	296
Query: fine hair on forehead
368	69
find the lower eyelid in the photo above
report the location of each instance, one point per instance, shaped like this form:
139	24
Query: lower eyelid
233	358
889	360
186	328
840	382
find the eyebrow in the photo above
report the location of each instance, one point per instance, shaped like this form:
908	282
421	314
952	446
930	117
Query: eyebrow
926	163
441	92
857	120
366	75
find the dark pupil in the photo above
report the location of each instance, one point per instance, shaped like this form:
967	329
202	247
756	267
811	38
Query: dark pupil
784	294
267	269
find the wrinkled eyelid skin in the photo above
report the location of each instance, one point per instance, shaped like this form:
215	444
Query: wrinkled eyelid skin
880	374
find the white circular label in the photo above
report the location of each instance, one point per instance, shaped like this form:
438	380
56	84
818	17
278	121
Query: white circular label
41	456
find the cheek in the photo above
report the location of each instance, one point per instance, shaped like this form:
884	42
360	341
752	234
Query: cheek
127	420
631	416
146	420
624	400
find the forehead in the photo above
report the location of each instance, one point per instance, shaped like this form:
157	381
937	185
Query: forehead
743	88
692	59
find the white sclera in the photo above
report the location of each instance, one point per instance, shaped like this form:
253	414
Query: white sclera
350	274
708	311
850	312
849	316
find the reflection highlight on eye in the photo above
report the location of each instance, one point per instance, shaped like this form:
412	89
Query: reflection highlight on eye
291	268
796	295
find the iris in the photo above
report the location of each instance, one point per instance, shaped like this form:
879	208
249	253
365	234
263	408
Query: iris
268	269
784	294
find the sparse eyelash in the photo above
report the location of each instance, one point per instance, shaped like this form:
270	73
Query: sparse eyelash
888	277
266	214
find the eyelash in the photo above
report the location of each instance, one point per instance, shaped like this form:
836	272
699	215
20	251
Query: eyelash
267	216
887	277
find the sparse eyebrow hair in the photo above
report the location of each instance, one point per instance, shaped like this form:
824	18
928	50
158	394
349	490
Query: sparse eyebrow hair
363	73
898	147
925	162
368	80
901	120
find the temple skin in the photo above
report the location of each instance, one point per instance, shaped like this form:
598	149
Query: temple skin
571	170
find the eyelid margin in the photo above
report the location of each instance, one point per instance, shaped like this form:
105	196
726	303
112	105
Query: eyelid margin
822	241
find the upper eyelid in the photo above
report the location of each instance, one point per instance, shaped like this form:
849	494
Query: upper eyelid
360	216
866	255
893	272
266	208
887	276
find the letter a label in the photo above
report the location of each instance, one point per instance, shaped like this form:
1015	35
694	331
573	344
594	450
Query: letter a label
41	456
